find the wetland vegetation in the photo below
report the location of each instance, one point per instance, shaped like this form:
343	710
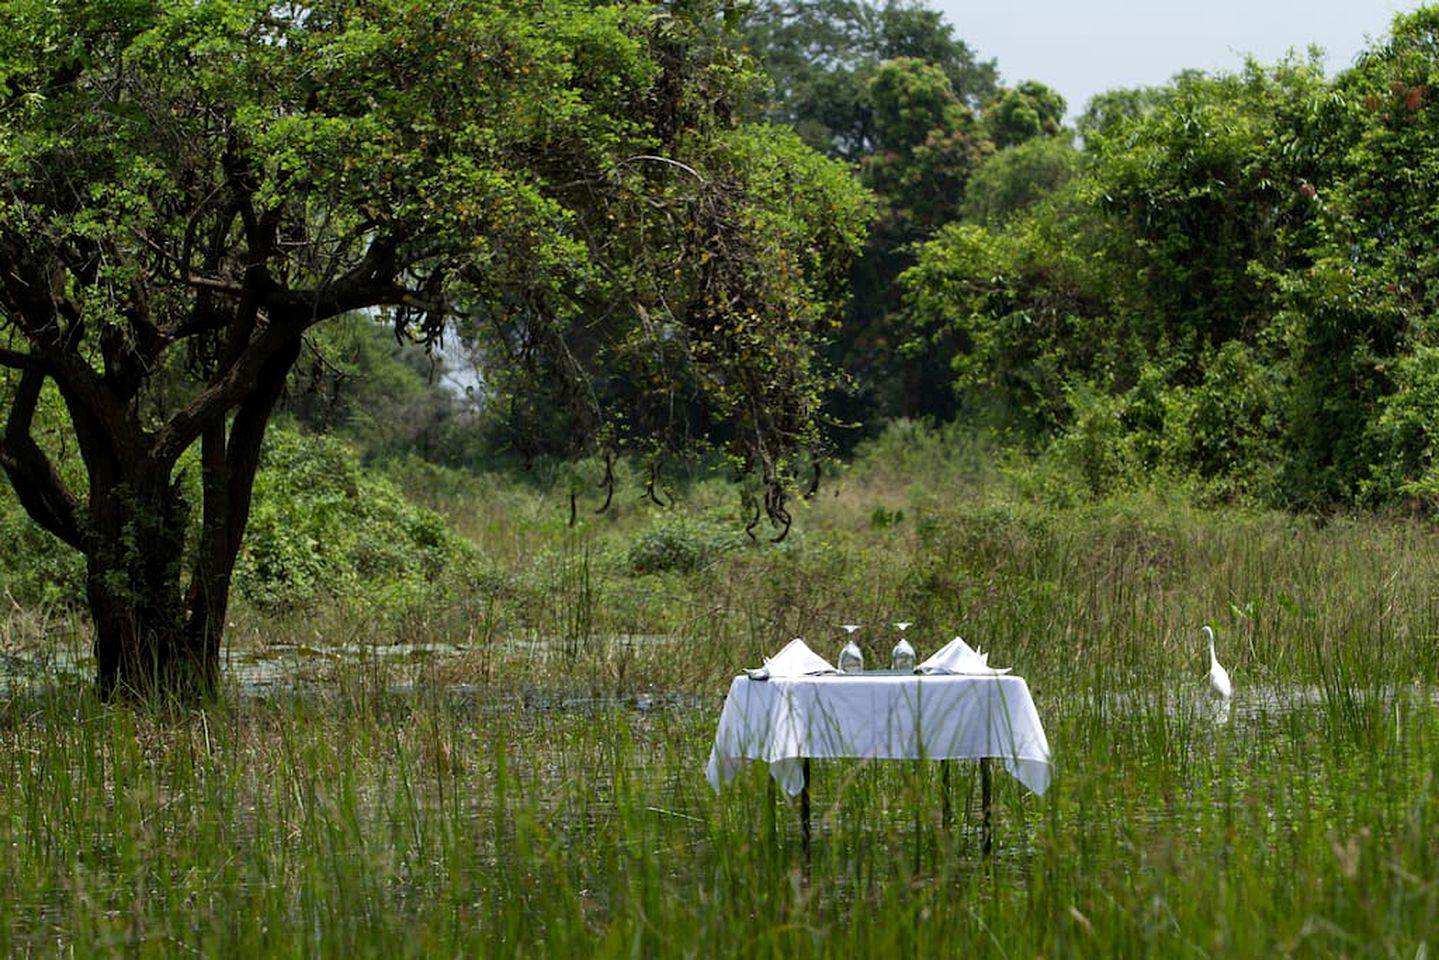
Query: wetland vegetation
304	654
520	772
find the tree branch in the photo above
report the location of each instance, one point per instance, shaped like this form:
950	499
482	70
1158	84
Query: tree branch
290	313
608	483
16	360
228	483
675	163
37	483
216	283
233	387
37	311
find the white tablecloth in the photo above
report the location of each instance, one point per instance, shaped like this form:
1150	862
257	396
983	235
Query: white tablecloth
782	721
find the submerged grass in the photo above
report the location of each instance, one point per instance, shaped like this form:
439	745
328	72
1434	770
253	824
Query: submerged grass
354	820
538	790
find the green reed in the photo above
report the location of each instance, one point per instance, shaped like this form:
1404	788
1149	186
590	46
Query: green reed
541	792
356	821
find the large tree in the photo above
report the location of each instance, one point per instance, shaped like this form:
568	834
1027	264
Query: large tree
1135	312
821	56
189	186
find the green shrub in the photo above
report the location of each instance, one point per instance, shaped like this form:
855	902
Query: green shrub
321	527
36	569
1405	435
1226	430
682	544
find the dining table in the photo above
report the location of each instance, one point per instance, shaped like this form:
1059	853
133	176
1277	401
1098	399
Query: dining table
785	721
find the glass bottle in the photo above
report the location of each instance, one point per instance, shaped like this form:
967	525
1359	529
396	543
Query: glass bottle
851	658
902	656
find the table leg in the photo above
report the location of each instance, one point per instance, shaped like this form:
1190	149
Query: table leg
944	793
984	805
804	811
771	821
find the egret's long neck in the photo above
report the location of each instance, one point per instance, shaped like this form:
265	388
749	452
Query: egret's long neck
1212	658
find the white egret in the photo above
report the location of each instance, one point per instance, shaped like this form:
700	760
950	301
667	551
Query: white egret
1219	683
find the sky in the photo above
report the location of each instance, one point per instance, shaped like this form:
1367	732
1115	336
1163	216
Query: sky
1084	47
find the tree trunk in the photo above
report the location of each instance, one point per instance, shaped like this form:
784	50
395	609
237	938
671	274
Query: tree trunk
144	646
156	635
145	643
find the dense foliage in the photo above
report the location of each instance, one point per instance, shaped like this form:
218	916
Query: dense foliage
1234	281
1225	280
891	89
190	188
322	528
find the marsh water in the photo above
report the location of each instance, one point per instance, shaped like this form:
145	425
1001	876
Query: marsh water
298	665
333	756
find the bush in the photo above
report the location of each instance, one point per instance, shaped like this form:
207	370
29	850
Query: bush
320	527
682	544
1228	431
36	569
1405	435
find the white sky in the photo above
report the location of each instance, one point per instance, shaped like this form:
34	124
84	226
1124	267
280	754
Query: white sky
1084	47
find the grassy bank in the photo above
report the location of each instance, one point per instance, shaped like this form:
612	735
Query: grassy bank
537	788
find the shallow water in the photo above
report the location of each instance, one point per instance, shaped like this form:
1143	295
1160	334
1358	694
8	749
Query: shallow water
294	667
1259	703
302	669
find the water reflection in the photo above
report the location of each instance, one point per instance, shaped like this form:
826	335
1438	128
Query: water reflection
1265	702
305	669
285	664
1222	707
280	667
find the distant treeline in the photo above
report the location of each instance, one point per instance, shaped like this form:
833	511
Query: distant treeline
1230	278
1226	281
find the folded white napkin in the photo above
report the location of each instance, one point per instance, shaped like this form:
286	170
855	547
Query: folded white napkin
795	660
959	657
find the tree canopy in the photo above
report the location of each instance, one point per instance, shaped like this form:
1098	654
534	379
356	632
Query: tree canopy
1234	284
190	187
820	58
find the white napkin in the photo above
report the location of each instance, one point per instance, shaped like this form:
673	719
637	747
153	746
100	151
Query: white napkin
795	660
959	657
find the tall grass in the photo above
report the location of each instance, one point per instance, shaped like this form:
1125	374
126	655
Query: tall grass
352	820
540	791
